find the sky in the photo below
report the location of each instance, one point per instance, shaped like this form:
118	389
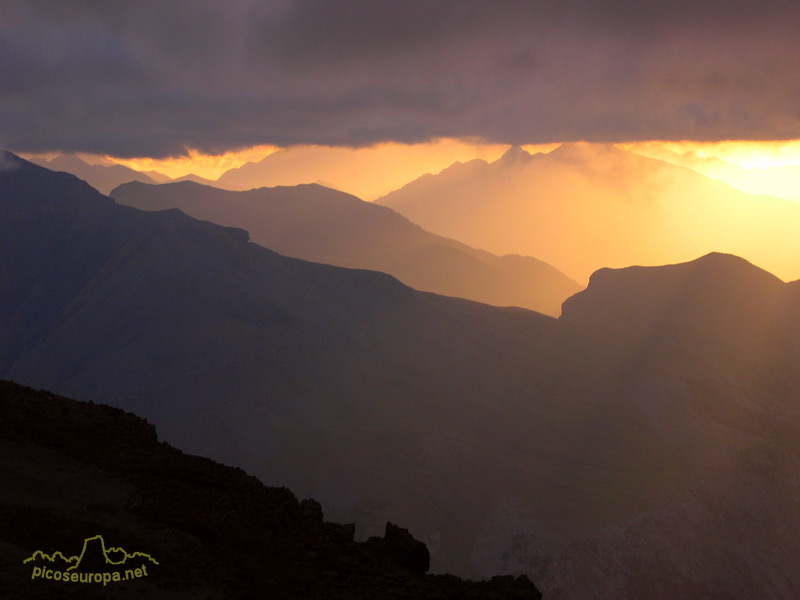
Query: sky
161	79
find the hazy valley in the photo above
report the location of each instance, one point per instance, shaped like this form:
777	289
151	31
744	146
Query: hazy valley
587	206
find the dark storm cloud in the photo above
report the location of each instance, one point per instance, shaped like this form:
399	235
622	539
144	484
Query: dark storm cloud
153	78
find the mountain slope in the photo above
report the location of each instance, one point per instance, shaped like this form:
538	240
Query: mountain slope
583	207
316	223
365	172
248	356
103	178
214	531
654	456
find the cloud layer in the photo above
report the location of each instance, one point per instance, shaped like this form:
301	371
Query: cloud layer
150	78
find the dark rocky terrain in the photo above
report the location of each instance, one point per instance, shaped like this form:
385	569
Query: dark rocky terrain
72	469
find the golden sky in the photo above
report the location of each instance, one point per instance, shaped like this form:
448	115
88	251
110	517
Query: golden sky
209	166
366	172
770	168
746	154
401	163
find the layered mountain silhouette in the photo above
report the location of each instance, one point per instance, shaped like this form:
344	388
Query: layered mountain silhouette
587	206
642	445
101	177
220	533
364	172
323	225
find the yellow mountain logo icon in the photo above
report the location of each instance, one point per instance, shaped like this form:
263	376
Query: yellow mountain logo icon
96	563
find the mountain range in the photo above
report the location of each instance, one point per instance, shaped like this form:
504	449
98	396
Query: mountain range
102	177
365	172
323	225
644	444
587	206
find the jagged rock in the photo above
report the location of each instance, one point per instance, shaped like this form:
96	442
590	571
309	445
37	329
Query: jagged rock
73	468
405	550
311	510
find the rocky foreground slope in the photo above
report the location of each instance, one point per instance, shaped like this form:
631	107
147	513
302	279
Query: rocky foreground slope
73	470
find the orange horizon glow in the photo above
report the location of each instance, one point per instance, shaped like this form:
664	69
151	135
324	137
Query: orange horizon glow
747	154
208	166
401	163
743	153
366	172
369	172
611	180
540	148
768	168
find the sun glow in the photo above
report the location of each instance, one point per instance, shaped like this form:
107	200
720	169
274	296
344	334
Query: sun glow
746	154
770	168
367	172
208	166
540	148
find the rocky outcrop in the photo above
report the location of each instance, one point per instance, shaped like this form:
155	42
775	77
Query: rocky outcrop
72	469
399	546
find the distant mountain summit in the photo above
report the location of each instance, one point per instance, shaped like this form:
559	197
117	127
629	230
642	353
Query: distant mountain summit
583	207
715	286
104	178
515	155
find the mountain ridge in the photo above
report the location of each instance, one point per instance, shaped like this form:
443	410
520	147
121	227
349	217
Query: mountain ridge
583	206
104	178
316	223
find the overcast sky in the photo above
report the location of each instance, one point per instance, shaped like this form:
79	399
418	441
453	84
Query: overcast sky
151	78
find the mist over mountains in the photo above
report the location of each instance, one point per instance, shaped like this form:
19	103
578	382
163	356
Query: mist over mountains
104	178
319	224
587	206
364	172
780	181
642	445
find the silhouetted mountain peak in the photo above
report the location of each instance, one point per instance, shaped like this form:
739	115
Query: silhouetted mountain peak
513	156
585	151
66	162
9	161
26	187
716	284
103	177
